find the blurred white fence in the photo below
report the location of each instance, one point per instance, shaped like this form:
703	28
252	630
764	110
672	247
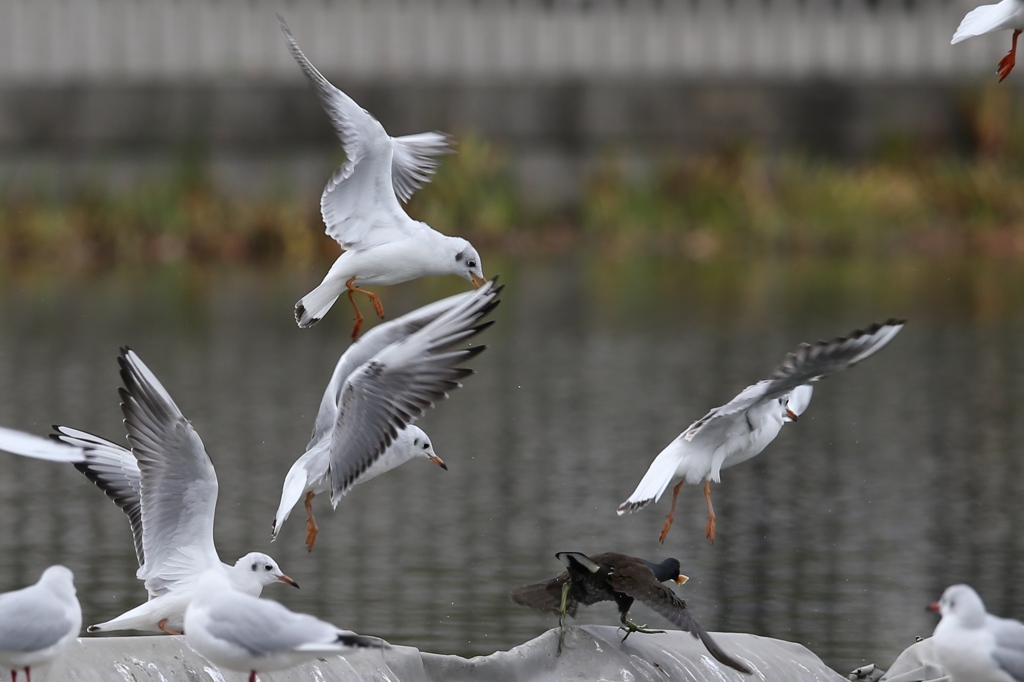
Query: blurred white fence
58	41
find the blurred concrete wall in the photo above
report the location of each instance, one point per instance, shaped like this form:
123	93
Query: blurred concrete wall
123	84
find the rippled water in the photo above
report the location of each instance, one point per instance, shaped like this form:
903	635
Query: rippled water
904	475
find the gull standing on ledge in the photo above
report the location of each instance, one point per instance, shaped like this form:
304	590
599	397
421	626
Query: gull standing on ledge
39	621
989	19
742	428
241	632
167	486
381	384
361	209
974	646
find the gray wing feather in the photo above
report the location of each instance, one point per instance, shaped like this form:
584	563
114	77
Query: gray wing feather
808	363
264	627
178	482
399	384
370	344
1009	651
415	160
31	619
114	471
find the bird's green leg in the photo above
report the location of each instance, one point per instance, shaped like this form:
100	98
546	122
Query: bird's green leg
630	627
561	617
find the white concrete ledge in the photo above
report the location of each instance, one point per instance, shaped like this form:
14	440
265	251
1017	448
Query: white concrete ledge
591	653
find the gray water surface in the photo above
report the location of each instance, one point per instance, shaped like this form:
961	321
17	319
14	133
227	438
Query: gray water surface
904	475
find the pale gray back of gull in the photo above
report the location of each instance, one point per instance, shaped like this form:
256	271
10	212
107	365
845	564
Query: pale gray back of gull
743	427
39	621
247	634
361	210
167	486
974	646
381	384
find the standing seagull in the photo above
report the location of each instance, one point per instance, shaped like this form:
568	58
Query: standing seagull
381	384
244	633
167	486
989	19
620	578
38	622
974	646
742	428
361	209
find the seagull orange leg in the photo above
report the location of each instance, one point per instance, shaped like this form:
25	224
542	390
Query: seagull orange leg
163	626
710	530
671	513
359	316
311	529
1007	63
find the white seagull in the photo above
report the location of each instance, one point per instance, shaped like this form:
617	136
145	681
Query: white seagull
167	486
361	209
38	622
381	384
244	633
974	646
742	428
1003	15
37	447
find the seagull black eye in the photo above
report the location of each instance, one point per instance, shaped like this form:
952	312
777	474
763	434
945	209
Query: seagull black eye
471	264
268	567
426	446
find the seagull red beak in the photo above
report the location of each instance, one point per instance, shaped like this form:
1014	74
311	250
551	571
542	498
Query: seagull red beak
792	415
477	282
438	461
286	579
934	607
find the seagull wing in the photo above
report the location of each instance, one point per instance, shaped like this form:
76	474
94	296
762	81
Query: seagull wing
399	384
114	471
178	482
28	445
359	204
1009	645
807	364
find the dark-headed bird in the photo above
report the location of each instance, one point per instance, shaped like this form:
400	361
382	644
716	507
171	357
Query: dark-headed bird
621	578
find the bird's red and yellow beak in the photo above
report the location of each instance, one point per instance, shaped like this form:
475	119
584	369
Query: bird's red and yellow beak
681	579
792	415
477	281
289	581
438	461
934	607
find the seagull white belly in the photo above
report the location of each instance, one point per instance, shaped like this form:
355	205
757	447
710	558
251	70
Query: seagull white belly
387	264
967	655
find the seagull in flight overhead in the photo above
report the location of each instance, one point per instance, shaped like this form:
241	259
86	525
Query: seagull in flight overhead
743	427
167	486
381	384
360	207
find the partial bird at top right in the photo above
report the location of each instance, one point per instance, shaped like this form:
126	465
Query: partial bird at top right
989	19
744	426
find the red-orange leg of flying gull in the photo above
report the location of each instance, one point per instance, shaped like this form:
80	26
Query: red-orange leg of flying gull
671	512
1007	63
163	626
252	676
311	529
710	530
378	307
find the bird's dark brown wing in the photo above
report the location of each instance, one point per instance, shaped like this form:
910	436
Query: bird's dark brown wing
638	581
545	595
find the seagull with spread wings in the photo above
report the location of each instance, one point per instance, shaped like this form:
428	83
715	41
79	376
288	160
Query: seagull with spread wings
743	427
360	207
381	384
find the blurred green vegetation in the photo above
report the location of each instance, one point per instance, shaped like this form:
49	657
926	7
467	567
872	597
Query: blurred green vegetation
905	198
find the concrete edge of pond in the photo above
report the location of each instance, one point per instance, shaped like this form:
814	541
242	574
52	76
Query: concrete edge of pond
591	652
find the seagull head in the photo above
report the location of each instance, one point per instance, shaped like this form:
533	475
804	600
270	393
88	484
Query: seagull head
413	442
962	603
795	402
261	569
467	262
